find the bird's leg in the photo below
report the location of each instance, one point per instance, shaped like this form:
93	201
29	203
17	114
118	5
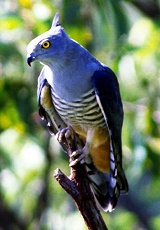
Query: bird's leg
97	146
80	155
64	133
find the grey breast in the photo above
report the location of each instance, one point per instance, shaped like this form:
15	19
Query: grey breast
84	111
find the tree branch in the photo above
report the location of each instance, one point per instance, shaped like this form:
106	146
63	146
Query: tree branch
77	186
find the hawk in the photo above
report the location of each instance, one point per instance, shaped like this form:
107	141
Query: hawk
77	92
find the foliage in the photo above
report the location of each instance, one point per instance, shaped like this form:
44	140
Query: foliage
125	36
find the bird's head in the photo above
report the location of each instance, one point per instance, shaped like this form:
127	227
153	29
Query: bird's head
48	46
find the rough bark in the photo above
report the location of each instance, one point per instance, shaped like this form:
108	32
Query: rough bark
77	186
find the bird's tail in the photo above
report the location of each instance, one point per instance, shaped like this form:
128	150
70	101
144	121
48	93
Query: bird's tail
107	186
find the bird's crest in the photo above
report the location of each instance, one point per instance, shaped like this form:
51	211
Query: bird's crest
55	21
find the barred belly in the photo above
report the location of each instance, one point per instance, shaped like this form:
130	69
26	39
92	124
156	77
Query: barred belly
83	112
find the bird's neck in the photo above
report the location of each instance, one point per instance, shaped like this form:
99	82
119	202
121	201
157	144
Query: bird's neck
72	73
75	60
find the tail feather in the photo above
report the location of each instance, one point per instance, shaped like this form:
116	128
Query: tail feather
107	187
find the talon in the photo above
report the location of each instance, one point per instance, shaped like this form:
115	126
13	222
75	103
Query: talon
76	153
80	159
64	133
60	135
73	163
69	132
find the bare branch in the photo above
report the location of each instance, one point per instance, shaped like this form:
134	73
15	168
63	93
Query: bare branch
77	186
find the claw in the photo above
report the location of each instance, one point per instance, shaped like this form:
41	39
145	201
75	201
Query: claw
73	163
64	133
69	132
76	153
80	159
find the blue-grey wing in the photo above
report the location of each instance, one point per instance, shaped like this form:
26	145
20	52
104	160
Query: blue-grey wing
106	88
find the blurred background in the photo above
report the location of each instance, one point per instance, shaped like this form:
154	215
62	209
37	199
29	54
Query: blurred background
125	35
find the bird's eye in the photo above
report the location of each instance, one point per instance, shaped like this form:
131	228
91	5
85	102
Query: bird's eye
46	44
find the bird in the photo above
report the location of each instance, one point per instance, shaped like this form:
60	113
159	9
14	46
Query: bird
76	92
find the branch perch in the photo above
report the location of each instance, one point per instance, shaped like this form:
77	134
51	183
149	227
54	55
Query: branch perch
77	186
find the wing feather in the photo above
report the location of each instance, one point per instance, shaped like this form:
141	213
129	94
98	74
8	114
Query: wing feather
108	97
47	110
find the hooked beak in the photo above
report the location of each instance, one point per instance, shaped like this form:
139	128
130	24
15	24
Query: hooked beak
30	59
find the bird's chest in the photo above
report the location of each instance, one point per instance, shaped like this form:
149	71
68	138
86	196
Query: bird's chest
84	112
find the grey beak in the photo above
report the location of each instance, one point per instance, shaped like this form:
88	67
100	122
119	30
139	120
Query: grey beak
30	59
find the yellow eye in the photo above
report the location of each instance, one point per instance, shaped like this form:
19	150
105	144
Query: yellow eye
46	44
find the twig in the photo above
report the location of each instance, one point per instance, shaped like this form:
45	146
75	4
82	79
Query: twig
77	186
